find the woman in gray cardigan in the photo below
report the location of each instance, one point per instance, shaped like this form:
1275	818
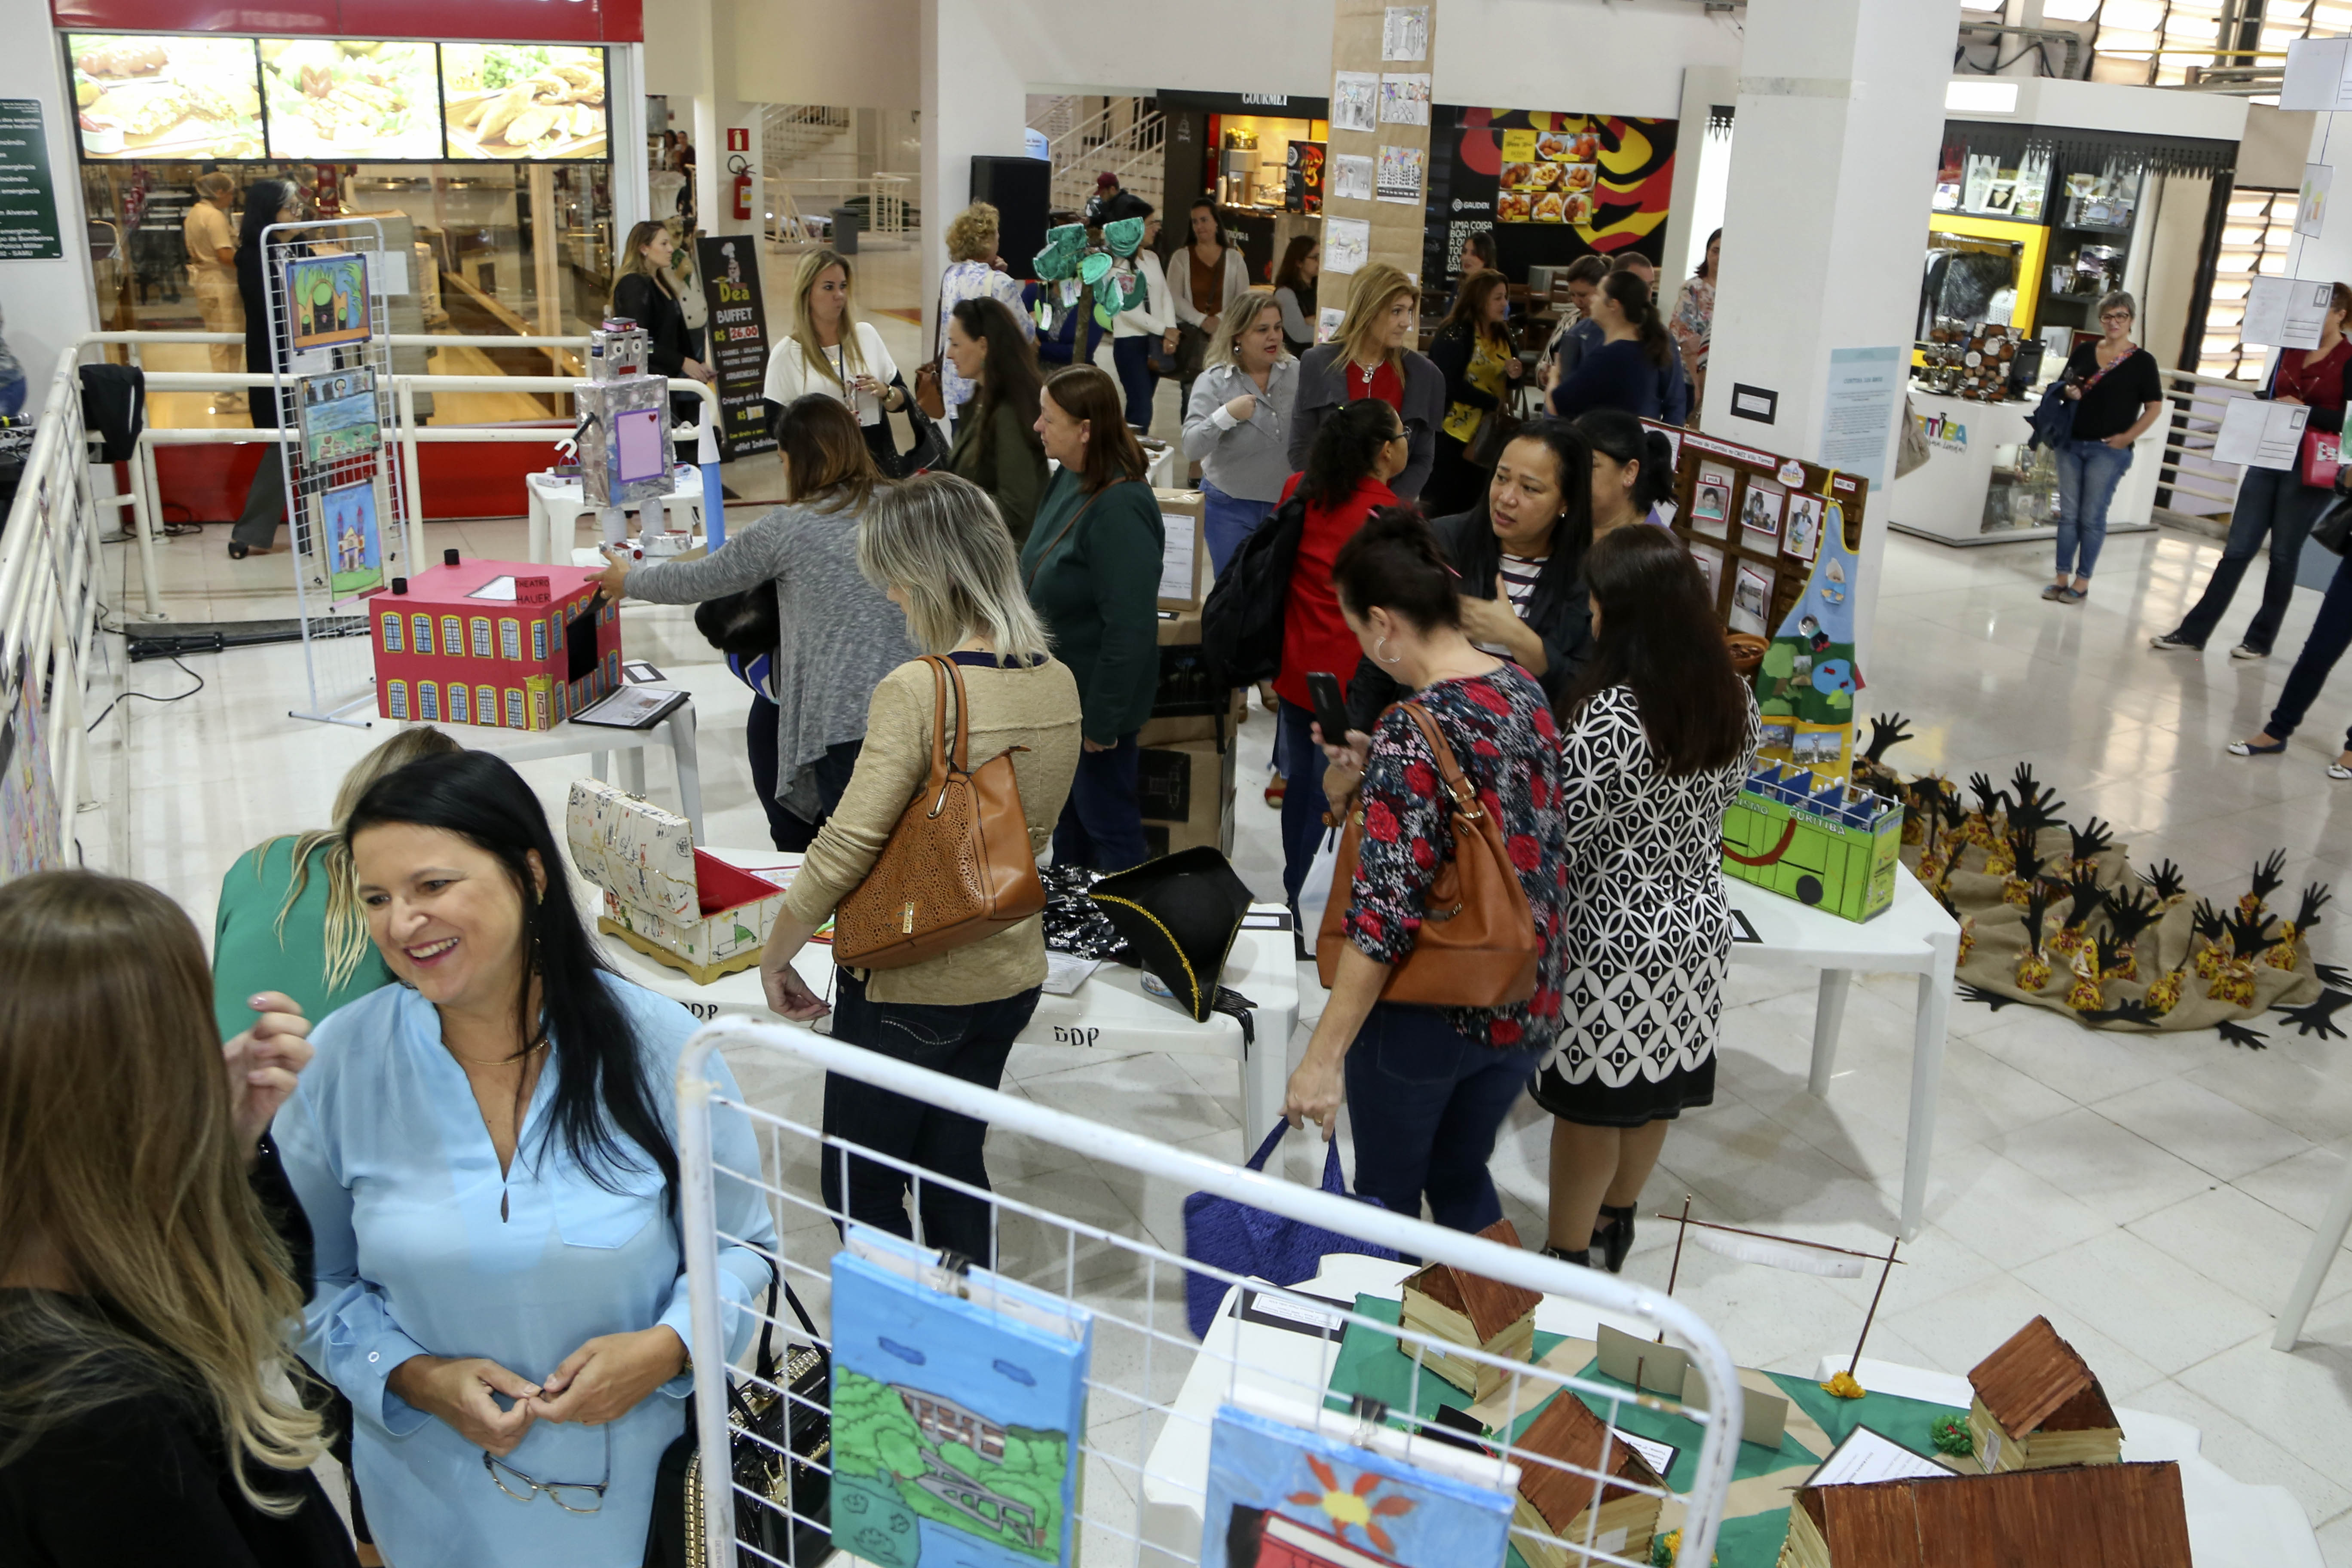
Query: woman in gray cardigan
838	637
1232	426
1369	356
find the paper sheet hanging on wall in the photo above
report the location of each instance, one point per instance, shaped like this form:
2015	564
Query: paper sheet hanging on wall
1752	599
1711	503
1356	101
1398	177
1404	33
1327	320
1351	179
1347	244
1404	98
1802	537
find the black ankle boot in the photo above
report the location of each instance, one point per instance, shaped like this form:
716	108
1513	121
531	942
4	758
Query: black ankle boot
1582	1259
1617	1240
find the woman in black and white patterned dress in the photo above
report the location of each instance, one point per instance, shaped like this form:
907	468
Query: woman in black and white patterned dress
1654	745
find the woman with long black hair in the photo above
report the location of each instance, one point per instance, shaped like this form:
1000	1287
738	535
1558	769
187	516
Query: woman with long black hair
1654	741
1519	554
486	1156
1628	370
268	202
1633	470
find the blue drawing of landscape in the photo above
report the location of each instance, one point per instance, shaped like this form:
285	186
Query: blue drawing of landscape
904	1352
1380	1507
1020	1375
1828	599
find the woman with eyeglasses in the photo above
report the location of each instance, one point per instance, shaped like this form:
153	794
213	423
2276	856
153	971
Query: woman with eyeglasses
151	1262
2116	394
487	1154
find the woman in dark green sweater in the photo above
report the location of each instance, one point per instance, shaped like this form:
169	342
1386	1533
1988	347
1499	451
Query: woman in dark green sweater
996	444
1092	569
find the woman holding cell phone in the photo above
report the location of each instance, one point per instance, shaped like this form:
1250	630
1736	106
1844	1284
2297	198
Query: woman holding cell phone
830	353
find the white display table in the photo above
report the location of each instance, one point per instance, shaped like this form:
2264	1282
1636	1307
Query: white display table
1945	498
557	505
1110	1010
597	742
2231	1524
1915	936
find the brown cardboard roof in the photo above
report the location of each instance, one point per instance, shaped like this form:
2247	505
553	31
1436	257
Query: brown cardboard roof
1566	1430
1490	1304
2084	1516
2037	1381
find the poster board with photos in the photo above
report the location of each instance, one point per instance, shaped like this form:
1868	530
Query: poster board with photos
1753	520
1378	147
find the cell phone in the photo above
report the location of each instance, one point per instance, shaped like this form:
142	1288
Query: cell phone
1330	705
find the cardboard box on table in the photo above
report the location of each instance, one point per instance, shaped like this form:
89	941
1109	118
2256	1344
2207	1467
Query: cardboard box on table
1187	795
671	901
499	644
1777	835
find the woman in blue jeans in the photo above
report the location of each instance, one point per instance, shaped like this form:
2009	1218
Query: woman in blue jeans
1426	1087
2116	393
1236	426
2275	502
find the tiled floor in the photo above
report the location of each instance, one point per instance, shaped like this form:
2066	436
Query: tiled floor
2152	1194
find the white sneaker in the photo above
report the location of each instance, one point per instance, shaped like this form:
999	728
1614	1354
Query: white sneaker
2247	650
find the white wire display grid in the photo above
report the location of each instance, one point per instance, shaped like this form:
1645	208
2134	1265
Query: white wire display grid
337	656
1134	1290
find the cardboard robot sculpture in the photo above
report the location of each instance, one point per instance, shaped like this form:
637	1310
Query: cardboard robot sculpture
624	431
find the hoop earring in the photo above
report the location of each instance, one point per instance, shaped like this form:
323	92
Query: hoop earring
1384	658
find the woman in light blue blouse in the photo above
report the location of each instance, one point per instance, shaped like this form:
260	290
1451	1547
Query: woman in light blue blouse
485	1156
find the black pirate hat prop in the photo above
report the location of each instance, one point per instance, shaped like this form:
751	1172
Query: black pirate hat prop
1180	915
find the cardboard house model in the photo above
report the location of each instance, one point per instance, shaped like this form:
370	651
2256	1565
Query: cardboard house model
2088	1516
2037	1404
1555	1502
1471	1309
671	901
501	644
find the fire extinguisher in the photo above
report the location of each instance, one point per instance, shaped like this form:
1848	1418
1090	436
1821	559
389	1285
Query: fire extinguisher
741	170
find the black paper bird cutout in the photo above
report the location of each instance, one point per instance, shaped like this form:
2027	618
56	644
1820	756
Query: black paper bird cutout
2318	1018
2237	1034
2166	879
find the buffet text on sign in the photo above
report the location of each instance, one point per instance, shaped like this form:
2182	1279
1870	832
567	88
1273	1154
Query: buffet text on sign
729	265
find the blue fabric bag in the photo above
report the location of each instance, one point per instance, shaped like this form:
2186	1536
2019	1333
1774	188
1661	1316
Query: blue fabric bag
1244	1241
2053	419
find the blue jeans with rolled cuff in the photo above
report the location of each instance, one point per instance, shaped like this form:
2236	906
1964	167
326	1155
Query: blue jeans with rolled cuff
1425	1103
2088	473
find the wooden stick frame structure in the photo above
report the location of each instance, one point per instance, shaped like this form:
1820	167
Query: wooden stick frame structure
1683	1222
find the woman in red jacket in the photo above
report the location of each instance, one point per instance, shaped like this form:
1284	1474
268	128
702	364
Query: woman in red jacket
1361	446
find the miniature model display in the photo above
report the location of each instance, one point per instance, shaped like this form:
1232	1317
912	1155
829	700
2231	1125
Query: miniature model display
1561	1502
506	645
1470	1310
2053	913
957	1397
2090	1513
1281	1496
675	903
2039	1404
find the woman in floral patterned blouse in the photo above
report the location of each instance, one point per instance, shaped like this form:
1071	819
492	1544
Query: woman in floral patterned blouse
1427	1086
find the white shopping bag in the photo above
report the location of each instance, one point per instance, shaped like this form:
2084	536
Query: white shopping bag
1314	893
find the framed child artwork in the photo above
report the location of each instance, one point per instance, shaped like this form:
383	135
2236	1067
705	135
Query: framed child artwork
1760	517
1711	503
1802	537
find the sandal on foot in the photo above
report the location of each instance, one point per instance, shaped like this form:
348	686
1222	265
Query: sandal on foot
2338	771
1275	788
2248	749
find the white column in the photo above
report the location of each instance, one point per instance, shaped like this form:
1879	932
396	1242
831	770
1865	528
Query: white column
49	302
1825	226
973	102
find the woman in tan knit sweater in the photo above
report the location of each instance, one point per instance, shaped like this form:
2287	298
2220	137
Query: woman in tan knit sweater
936	546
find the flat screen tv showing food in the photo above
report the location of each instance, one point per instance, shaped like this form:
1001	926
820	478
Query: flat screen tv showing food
156	95
346	98
508	102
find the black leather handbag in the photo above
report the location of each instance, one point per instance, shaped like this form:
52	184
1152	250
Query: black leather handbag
2332	529
792	1525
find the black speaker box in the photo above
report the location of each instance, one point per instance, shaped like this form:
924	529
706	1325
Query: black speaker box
1019	189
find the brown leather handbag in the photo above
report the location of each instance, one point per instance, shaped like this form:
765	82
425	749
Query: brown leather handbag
929	395
1478	944
958	867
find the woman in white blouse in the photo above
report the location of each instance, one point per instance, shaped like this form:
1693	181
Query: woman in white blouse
833	355
1147	324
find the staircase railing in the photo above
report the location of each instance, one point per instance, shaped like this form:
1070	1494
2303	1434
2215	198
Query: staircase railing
1121	139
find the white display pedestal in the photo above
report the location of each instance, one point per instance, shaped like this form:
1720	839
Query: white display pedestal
1945	500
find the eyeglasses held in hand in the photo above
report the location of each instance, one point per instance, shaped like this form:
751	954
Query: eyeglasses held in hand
571	1497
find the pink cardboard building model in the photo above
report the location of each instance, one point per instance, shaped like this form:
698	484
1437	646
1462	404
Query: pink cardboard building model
509	645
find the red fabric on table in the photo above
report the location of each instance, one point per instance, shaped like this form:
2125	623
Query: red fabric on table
1313	634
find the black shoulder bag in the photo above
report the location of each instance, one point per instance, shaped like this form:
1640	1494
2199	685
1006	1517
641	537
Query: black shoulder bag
792	1524
2331	531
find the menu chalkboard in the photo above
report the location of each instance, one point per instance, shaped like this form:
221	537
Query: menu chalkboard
28	202
728	268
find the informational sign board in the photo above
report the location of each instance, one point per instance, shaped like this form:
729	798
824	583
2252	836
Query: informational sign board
28	202
729	267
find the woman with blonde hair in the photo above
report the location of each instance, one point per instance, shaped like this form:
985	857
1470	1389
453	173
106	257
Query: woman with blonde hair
1371	356
975	272
834	635
646	291
145	1304
290	917
828	352
934	545
1232	428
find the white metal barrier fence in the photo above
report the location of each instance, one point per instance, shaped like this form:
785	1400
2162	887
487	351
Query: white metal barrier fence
1145	1451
